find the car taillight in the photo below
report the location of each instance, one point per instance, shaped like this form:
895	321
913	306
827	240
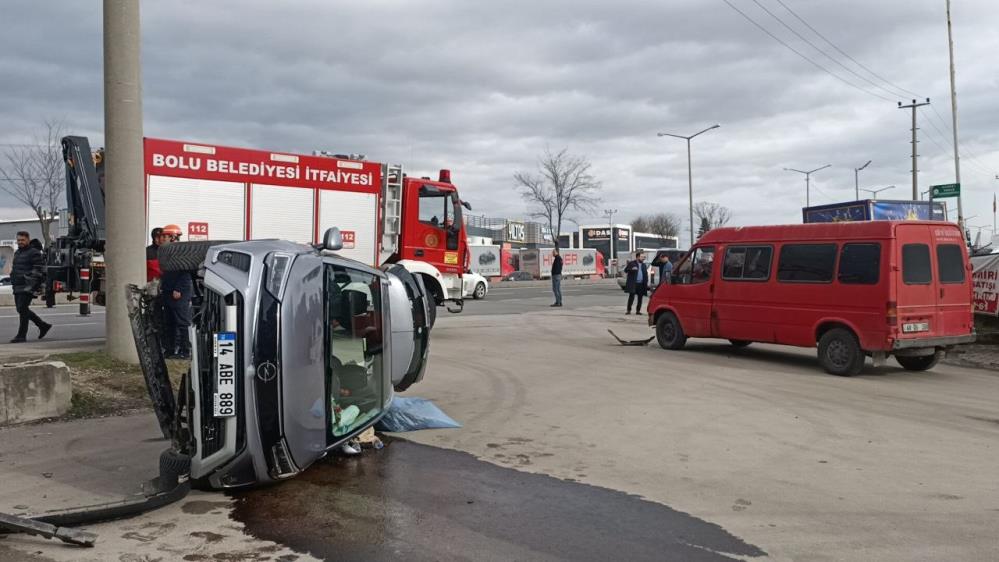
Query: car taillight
57	286
892	313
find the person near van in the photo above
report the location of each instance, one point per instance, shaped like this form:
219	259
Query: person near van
152	255
638	280
665	269
27	274
557	276
176	290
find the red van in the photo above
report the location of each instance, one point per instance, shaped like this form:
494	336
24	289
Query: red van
853	289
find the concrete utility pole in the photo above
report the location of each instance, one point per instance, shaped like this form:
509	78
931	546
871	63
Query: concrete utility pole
856	178
953	109
808	183
124	198
915	156
690	175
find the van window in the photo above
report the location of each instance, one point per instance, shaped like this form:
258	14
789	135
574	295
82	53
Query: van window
950	263
807	263
916	268
747	263
697	268
859	264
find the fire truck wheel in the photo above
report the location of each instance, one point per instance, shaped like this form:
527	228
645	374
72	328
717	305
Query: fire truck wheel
840	353
669	333
923	363
186	256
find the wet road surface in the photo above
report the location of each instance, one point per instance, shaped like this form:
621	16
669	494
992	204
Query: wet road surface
415	502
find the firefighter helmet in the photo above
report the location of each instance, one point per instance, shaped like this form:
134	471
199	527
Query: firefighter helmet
172	230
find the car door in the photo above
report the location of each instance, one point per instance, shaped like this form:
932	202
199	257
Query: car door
691	294
915	284
953	284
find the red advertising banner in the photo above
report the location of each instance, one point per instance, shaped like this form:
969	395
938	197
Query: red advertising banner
985	280
244	165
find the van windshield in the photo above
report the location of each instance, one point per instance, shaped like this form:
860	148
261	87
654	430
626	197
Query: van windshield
354	357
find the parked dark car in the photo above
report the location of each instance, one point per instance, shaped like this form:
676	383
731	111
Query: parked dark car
518	276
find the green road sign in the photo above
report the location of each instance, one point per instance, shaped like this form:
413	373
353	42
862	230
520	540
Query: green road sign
945	190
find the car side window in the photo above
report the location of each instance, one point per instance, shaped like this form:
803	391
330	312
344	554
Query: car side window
697	268
747	263
859	264
807	263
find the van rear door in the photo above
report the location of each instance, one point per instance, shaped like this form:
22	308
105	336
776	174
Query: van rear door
953	283
915	282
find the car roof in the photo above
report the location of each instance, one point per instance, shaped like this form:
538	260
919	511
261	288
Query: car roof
811	231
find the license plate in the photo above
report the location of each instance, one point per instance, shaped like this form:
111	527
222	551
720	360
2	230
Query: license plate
916	327
225	375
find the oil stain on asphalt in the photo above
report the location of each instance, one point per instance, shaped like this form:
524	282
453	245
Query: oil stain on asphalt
414	502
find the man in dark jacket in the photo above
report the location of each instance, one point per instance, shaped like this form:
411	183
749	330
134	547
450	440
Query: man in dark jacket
557	276
176	290
27	274
152	255
638	281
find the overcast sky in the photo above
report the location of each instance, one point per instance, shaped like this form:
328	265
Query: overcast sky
481	88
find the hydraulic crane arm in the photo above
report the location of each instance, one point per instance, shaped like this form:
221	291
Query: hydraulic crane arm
84	194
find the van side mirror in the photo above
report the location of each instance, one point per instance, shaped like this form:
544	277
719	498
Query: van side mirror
466	205
332	239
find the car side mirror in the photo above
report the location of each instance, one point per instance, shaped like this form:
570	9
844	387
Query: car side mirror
332	239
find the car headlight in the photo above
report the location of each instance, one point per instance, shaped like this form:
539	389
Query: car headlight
278	268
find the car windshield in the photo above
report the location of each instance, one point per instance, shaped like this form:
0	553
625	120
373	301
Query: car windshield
354	369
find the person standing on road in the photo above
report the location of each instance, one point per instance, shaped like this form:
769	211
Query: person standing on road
557	276
665	269
152	255
638	280
27	274
176	290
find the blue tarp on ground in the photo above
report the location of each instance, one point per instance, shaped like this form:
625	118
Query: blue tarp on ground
411	414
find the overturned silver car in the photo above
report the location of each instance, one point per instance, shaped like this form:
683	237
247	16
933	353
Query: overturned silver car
295	350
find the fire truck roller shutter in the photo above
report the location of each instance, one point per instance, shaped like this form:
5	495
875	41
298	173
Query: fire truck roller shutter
180	201
354	214
281	212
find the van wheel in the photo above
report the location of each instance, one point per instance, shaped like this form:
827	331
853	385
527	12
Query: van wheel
669	333
739	343
480	291
923	363
840	353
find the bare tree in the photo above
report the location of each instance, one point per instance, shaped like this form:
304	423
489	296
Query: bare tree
564	184
712	215
663	225
640	224
33	174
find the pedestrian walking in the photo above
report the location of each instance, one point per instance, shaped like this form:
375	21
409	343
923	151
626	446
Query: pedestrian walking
637	282
176	290
27	276
557	276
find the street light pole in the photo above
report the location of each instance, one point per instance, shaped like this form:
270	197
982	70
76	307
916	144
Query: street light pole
874	192
690	174
856	178
808	185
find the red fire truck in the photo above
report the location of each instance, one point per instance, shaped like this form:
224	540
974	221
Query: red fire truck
223	193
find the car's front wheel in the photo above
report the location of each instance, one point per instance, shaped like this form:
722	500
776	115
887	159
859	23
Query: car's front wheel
480	291
669	333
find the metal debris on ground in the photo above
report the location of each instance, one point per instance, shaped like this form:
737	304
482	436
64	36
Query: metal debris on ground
32	527
631	342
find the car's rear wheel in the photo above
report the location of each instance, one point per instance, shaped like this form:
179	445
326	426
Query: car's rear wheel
480	291
922	363
739	343
669	333
840	353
